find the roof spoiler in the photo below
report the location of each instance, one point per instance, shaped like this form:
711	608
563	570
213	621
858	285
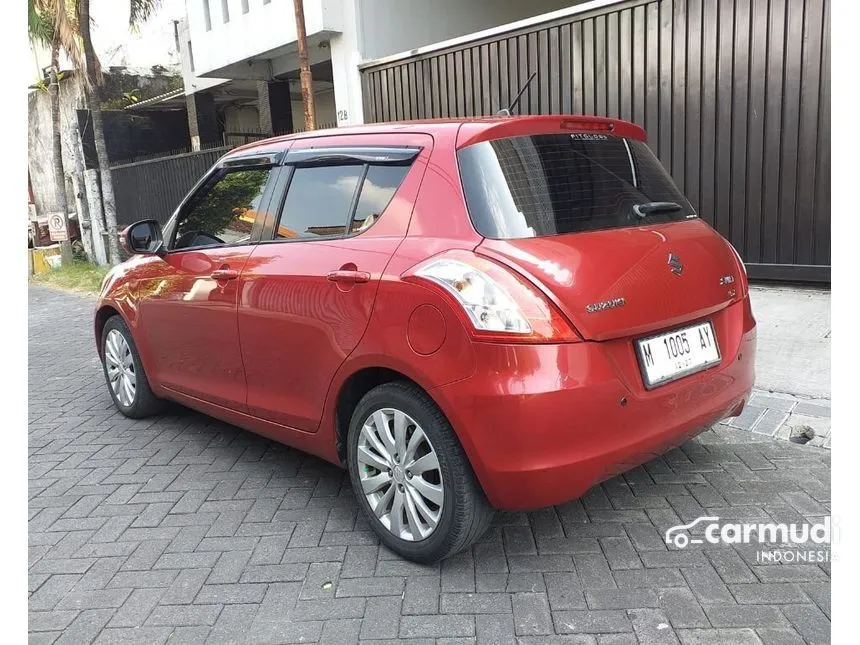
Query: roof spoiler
471	133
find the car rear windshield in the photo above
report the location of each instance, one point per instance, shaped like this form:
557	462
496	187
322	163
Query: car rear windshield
552	184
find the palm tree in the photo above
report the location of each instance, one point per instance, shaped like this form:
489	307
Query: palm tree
49	24
139	11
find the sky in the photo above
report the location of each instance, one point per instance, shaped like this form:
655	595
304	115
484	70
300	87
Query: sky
116	45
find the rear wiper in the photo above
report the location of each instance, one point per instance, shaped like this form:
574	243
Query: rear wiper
650	208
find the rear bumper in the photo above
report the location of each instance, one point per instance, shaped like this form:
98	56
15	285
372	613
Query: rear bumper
541	424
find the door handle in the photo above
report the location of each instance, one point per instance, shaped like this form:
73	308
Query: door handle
348	276
224	274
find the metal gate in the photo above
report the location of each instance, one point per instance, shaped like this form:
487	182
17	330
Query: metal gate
734	95
153	189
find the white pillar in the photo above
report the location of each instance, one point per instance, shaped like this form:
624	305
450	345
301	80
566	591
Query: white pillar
94	203
345	57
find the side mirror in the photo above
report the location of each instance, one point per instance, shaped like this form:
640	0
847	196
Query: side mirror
143	238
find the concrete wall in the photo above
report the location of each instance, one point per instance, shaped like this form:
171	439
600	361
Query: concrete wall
325	110
391	26
40	152
187	54
263	29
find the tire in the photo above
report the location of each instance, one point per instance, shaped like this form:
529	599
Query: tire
142	402
464	513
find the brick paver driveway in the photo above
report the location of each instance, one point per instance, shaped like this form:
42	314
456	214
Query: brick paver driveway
183	529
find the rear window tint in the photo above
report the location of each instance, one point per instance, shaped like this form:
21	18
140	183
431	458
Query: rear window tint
564	183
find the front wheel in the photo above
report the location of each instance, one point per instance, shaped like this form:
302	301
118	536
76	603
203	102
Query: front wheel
411	477
123	370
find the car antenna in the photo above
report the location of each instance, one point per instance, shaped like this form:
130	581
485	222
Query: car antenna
508	110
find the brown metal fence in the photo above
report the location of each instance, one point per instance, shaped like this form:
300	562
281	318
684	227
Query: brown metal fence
735	97
152	189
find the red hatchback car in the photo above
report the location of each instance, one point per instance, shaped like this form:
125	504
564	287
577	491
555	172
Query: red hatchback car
467	314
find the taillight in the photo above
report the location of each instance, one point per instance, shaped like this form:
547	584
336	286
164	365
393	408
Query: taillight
745	279
496	304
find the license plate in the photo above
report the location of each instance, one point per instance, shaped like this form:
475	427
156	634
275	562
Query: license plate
678	353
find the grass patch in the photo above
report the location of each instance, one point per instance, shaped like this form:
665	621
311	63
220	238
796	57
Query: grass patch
79	276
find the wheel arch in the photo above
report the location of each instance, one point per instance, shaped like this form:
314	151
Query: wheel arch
104	313
351	391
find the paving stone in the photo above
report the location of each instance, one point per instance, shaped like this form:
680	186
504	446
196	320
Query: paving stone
519	540
730	566
343	631
744	615
820	594
620	553
648	578
789	573
184	615
774	402
495	629
812	409
85	627
620	598
593	571
475	603
809	621
231	626
386	586
531	614
681	608
747	418
421	595
381	618
137	607
707	585
229	594
182	529
743	636
564	591
780	636
776	593
591	622
436	626
652	627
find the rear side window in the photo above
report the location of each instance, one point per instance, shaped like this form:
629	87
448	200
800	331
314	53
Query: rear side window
328	201
379	186
553	184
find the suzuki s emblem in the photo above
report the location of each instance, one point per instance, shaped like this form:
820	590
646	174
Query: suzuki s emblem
675	265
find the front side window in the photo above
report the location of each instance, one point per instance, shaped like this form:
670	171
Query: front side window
223	211
534	186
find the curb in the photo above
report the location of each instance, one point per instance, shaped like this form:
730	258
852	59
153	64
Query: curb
779	415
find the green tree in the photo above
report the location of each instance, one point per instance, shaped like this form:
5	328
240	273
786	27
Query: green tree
235	194
139	12
49	23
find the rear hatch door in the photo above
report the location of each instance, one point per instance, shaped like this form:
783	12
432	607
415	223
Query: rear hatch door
597	223
627	281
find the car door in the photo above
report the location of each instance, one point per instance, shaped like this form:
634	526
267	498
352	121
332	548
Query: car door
188	298
308	290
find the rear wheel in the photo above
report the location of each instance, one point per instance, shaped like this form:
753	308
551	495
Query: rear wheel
411	477
124	374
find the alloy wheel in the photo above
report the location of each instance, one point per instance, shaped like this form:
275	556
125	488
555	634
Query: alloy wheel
400	474
120	367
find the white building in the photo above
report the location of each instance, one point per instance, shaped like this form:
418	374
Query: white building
240	61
